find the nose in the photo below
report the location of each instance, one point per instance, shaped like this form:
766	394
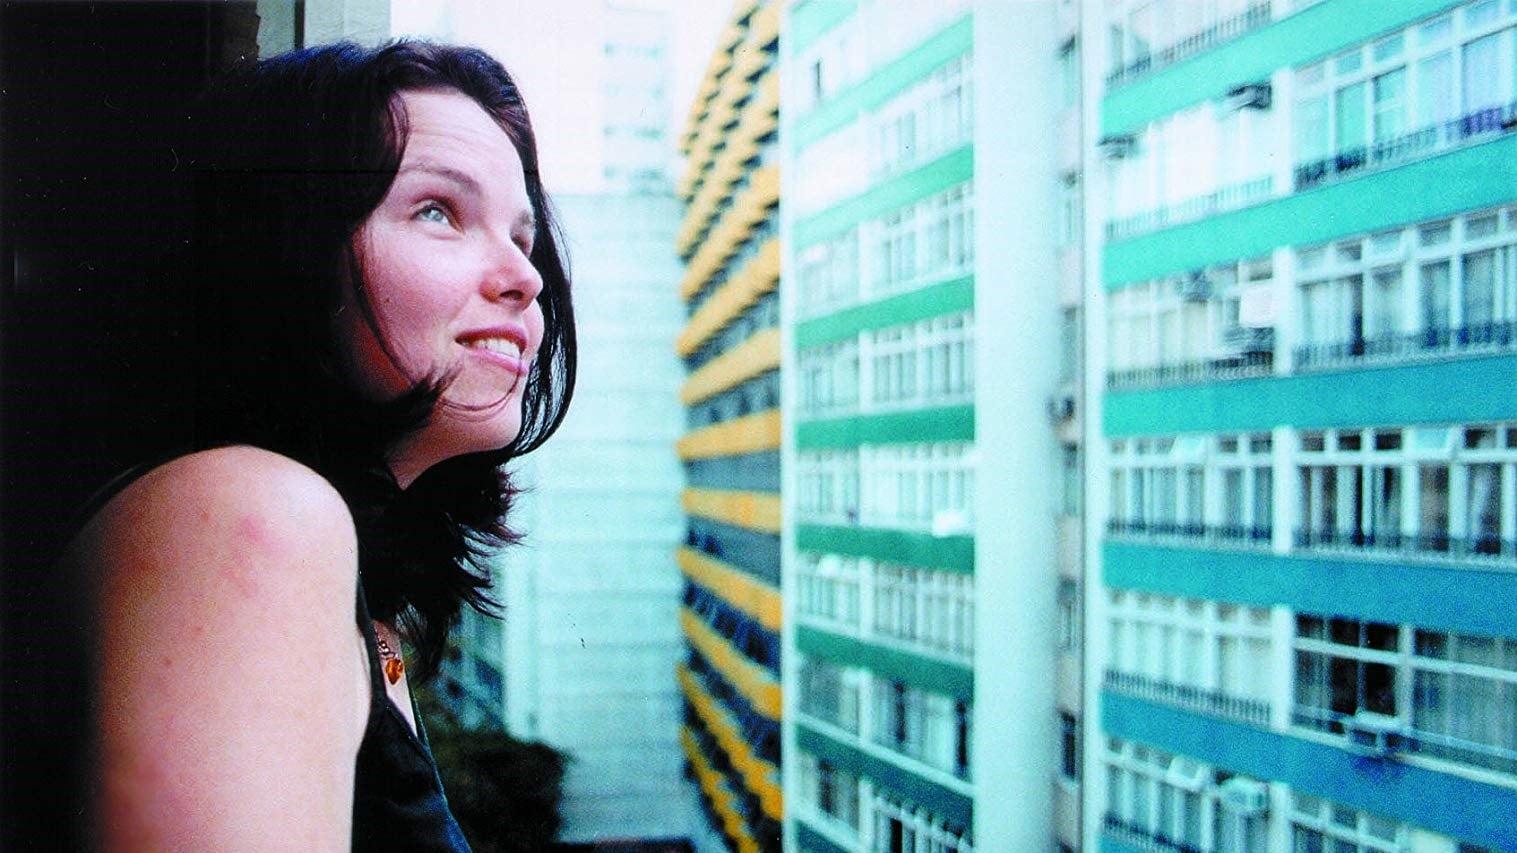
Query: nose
512	276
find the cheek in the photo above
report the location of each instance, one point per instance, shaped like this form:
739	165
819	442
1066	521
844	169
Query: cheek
398	343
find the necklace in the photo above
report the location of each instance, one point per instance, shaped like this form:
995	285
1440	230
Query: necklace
394	665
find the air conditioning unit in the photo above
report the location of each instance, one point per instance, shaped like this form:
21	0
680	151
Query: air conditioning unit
1195	287
1118	146
1186	774
1372	734
1061	407
1250	96
1249	339
1244	797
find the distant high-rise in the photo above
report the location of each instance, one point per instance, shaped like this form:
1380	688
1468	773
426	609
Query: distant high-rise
731	347
1303	459
583	658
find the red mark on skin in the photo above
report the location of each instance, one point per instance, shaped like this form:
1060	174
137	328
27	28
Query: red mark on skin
251	536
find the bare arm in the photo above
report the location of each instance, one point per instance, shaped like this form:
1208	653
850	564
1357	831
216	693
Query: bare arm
230	680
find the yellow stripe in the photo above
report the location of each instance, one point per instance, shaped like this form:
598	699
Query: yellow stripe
759	117
748	359
748	434
716	789
752	510
757	278
751	680
759	776
736	587
747	210
764	29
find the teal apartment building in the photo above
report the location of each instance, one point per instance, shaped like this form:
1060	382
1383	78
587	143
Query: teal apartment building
928	409
1302	314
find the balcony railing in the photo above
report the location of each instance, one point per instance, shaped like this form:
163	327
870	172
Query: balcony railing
1220	534
1236	366
1226	29
1142	837
1432	341
1214	702
1227	198
1412	740
1491	121
1484	547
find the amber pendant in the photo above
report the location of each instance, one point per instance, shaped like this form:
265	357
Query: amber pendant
394	669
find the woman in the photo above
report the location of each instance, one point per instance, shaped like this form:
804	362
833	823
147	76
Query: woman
382	319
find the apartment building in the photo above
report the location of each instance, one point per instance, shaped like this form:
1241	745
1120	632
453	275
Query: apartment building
927	417
730	560
1302	319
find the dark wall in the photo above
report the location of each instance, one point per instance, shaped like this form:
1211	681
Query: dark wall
91	201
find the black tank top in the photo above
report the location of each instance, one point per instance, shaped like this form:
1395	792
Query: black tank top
398	803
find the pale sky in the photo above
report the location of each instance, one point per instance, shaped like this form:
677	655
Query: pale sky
553	49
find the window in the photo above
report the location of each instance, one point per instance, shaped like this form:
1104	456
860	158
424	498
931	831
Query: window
1319	825
1071	479
926	120
1069	747
1214	323
829	790
828	589
829	274
1443	285
929	362
925	607
827	484
1069	345
1069	74
1190	164
1161	487
1433	489
1423	89
829	379
1204	655
1159	799
929	609
919	486
1069	615
1447	696
922	242
929	727
902	827
830	693
1151	34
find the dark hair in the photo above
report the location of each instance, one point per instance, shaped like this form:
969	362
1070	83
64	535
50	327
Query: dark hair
291	156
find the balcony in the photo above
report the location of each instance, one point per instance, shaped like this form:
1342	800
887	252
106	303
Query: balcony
1227	198
1483	547
1142	837
1409	739
1224	30
1480	337
1214	702
1236	366
1471	127
1208	535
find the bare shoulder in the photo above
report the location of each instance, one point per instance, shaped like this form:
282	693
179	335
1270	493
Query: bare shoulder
229	661
232	495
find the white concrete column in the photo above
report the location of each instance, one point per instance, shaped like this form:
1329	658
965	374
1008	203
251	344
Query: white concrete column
1016	289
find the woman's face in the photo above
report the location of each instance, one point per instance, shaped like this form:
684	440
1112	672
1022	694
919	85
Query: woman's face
446	270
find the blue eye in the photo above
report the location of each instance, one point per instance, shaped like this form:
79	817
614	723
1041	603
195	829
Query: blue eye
434	213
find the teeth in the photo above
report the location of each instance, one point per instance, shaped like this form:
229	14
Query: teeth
500	345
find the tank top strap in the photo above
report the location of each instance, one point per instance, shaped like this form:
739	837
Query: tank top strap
371	650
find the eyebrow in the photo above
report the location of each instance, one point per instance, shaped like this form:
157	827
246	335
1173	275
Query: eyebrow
527	220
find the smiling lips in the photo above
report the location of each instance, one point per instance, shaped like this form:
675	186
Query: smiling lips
502	348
